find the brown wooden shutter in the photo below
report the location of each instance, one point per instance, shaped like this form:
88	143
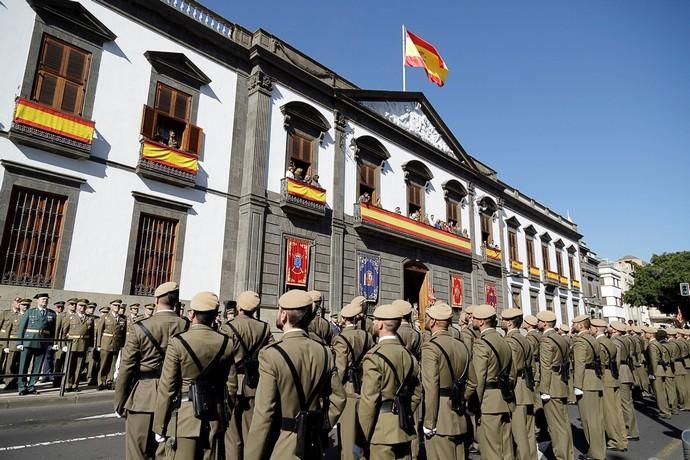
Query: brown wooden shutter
194	139
148	122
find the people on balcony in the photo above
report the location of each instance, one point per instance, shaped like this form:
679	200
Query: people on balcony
314	181
290	173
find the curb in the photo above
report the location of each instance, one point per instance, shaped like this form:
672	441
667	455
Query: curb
21	402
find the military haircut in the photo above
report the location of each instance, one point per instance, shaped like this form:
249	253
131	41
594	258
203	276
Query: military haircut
491	322
550	324
300	317
442	323
206	317
586	323
170	299
516	322
391	325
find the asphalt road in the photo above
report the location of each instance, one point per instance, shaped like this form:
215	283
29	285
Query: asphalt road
89	431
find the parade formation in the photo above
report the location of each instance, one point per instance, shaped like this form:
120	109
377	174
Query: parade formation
208	384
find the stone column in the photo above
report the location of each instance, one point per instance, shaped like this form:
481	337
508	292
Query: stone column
504	253
335	296
253	203
476	263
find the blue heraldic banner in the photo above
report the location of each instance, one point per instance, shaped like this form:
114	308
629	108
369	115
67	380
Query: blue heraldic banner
369	276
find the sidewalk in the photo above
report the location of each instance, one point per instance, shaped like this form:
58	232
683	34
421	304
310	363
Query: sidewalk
48	395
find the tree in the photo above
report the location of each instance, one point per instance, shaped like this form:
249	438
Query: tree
657	284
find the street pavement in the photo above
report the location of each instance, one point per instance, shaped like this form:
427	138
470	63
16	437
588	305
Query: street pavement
89	430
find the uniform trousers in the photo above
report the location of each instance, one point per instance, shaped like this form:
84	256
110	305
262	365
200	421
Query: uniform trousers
662	402
591	408
11	367
494	436
197	448
240	421
349	428
641	373
59	366
92	370
670	388
76	365
613	418
38	355
445	447
402	451
522	426
686	387
680	391
141	442
629	415
558	422
107	368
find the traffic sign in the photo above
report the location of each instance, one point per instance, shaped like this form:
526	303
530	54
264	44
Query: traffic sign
685	289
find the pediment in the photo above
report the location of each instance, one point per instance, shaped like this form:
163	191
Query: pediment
73	17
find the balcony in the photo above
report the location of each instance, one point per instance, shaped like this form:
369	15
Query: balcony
563	280
552	278
301	197
48	129
491	256
388	224
535	273
576	285
517	266
162	163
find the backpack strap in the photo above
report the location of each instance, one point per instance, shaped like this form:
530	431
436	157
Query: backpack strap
498	358
395	374
151	338
239	338
447	358
524	352
560	350
304	403
195	358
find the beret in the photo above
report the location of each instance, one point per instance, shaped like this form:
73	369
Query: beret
440	311
134	305
546	316
351	310
661	334
150	306
619	326
483	311
315	296
359	300
25	302
565	328
580	318
531	320
598	322
404	306
387	311
248	301
86	302
294	300
166	288
511	313
204	301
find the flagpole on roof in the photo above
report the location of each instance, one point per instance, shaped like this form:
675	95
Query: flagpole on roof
403	56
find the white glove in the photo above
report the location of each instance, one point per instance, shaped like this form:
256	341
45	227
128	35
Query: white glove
545	397
55	347
6	350
428	432
20	347
578	392
117	415
159	438
64	349
651	377
98	348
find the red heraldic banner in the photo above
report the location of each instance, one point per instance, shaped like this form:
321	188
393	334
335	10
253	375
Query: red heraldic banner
490	293
297	264
456	290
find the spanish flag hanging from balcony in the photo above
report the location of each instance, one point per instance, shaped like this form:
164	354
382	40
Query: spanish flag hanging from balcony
420	53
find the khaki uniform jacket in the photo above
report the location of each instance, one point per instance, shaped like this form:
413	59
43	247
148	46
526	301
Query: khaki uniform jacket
677	354
345	356
685	346
624	346
667	356
553	351
438	412
522	359
584	351
609	353
379	385
411	339
276	395
322	328
484	372
110	332
180	371
534	337
79	330
655	359
10	324
468	337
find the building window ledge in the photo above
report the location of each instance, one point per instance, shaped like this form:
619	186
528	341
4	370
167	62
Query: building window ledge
301	197
166	164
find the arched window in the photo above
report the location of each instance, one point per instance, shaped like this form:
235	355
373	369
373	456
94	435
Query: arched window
545	240
454	193
305	127
487	208
370	155
417	176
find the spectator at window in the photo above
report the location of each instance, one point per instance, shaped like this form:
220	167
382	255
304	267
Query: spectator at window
364	198
397	210
290	171
172	139
299	174
315	181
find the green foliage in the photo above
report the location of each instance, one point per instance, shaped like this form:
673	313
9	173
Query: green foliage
657	284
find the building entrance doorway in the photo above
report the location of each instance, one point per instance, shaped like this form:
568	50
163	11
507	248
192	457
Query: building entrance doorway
416	287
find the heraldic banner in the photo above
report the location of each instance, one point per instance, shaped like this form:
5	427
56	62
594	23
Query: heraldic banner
490	293
297	264
368	266
456	286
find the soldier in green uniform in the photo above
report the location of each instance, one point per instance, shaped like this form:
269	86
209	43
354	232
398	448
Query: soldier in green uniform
37	323
409	336
683	341
249	336
656	367
529	324
140	369
640	373
300	396
9	347
491	362
6	318
195	374
677	354
132	318
390	378
94	357
625	347
110	337
614	425
564	330
319	326
79	329
589	388
349	348
522	423
670	381
446	363
553	385
62	321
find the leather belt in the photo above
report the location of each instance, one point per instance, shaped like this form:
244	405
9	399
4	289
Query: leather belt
149	375
3	330
288	424
491	385
590	366
445	392
76	336
39	331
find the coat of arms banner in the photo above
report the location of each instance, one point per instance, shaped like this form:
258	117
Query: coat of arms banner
297	264
456	286
368	268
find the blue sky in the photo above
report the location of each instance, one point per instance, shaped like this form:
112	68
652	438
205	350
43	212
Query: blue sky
583	105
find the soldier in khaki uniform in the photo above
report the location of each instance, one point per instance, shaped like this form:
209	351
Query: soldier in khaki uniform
249	335
349	348
132	318
640	359
446	362
409	336
387	367
677	354
553	385
140	369
656	366
148	310
110	337
614	424
298	381
564	331
319	326
6	318
491	356
79	329
529	324
59	356
94	357
589	388
522	423
9	347
683	341
200	359
625	349
36	323
670	381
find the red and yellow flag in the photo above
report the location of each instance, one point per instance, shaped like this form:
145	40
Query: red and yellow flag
420	53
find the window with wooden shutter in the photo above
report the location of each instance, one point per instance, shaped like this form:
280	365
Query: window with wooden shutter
512	245
154	261
545	256
31	239
300	148
414	198
487	233
367	179
452	213
61	76
530	252
559	261
571	267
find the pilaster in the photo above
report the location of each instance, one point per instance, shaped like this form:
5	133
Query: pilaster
473	241
504	252
335	297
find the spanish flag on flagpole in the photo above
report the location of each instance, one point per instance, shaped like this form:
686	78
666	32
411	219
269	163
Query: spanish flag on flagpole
420	53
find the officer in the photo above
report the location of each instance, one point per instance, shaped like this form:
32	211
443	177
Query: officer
492	378
148	310
446	362
6	317
37	323
614	425
249	335
61	325
390	378
79	330
656	367
553	385
409	336
529	324
349	348
94	357
110	336
9	347
522	423
140	369
195	373
589	388
299	396
132	318
625	349
319	326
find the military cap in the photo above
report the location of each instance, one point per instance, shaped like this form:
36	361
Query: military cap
546	316
84	301
564	328
61	303
166	288
150	306
580	318
204	301
315	296
134	305
116	301
483	311
511	313
294	300
469	309
661	334
619	326
25	302
92	305
404	306
248	301
637	329
684	332
72	300
597	322
104	309
647	329
672	331
42	294
351	310
360	299
388	311
440	311
531	320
